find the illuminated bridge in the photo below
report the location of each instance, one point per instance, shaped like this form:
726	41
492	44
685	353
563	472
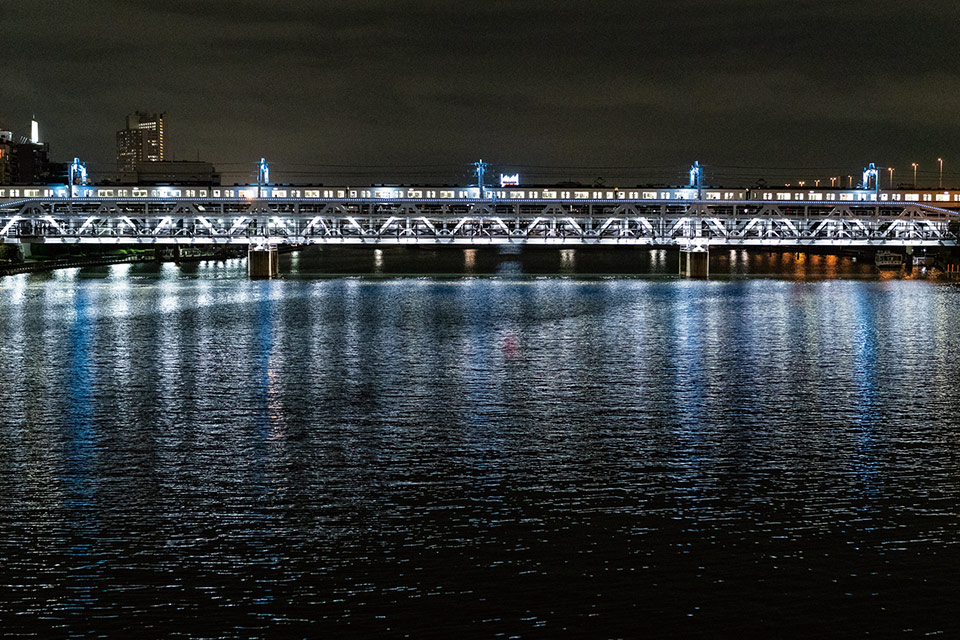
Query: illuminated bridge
264	216
371	219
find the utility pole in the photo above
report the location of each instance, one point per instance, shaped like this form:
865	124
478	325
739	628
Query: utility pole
696	178
263	176
479	169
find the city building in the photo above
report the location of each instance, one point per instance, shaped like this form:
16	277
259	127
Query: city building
24	160
141	141
30	163
6	155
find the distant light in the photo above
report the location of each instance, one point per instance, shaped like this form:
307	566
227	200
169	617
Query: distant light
510	181
34	132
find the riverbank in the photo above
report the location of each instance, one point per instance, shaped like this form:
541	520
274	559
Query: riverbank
173	253
33	266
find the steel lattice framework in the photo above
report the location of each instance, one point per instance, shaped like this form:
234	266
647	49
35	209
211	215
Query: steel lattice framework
475	222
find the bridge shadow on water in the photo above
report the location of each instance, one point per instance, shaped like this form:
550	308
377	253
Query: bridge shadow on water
315	262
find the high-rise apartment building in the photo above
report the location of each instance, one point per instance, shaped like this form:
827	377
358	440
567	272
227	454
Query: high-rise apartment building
141	141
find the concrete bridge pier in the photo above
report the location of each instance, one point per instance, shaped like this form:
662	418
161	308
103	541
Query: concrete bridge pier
695	262
263	261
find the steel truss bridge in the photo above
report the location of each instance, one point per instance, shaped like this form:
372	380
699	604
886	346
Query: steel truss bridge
260	222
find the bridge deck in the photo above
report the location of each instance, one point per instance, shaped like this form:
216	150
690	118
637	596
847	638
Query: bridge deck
474	222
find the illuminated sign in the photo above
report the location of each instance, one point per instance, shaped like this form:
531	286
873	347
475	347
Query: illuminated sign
507	181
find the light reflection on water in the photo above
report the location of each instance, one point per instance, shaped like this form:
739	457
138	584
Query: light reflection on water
191	452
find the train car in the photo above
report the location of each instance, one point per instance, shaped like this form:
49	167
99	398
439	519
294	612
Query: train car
471	193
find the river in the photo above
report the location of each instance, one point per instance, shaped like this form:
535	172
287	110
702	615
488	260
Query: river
470	444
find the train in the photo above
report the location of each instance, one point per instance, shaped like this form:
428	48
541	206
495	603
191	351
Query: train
941	198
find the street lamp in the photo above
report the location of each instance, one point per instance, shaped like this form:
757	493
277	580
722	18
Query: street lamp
833	182
850	181
890	169
940	160
914	175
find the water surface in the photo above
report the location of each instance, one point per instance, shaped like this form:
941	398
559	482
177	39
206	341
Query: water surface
187	453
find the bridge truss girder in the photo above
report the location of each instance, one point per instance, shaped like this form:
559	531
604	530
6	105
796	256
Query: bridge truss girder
660	223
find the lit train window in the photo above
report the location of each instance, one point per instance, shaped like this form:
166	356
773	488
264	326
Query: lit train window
598	195
14	193
768	196
713	195
956	197
884	197
2	192
896	196
783	196
533	194
621	195
31	193
341	193
649	195
414	193
139	193
846	196
634	195
446	194
353	193
279	193
464	194
312	193
550	194
927	197
831	196
912	197
516	194
431	194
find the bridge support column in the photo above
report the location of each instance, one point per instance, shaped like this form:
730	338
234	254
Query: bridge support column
695	262
263	262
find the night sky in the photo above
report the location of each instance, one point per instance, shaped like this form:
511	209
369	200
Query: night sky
415	90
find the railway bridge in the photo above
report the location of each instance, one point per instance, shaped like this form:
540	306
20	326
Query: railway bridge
262	219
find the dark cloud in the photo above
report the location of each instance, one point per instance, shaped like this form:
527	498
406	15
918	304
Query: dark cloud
527	82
